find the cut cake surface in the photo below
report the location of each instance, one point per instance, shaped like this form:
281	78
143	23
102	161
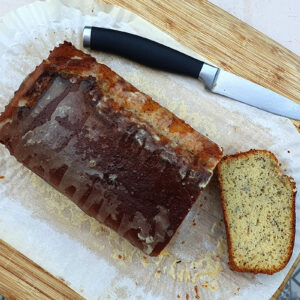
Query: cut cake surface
259	211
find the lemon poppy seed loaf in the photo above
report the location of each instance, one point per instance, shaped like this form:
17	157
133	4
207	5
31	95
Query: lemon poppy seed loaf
117	154
259	211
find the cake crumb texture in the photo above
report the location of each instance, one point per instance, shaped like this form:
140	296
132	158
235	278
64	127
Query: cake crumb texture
259	211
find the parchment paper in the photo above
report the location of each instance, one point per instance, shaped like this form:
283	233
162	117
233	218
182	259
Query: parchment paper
93	260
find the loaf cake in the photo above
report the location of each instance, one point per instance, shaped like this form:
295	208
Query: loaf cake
120	156
259	211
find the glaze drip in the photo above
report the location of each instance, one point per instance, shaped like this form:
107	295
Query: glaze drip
110	163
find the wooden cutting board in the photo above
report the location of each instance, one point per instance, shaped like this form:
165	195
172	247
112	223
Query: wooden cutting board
222	39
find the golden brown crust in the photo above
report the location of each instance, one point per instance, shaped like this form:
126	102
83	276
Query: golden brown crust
231	262
66	58
148	160
206	153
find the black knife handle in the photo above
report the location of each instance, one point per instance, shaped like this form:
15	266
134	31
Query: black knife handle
144	51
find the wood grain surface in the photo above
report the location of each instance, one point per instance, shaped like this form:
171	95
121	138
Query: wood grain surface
225	41
297	124
286	279
222	39
21	278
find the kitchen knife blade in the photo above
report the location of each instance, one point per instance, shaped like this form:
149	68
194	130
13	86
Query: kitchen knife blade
216	80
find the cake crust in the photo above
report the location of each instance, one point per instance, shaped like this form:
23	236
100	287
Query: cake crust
67	59
117	154
232	262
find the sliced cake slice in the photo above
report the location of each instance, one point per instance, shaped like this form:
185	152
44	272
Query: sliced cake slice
259	211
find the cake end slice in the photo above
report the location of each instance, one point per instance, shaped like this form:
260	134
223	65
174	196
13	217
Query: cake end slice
259	211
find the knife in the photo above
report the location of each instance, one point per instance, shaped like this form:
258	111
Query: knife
158	56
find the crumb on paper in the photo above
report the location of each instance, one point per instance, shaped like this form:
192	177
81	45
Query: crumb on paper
210	266
222	246
187	275
63	280
196	291
212	286
172	272
102	229
145	262
216	225
157	274
117	255
2	177
180	276
213	228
